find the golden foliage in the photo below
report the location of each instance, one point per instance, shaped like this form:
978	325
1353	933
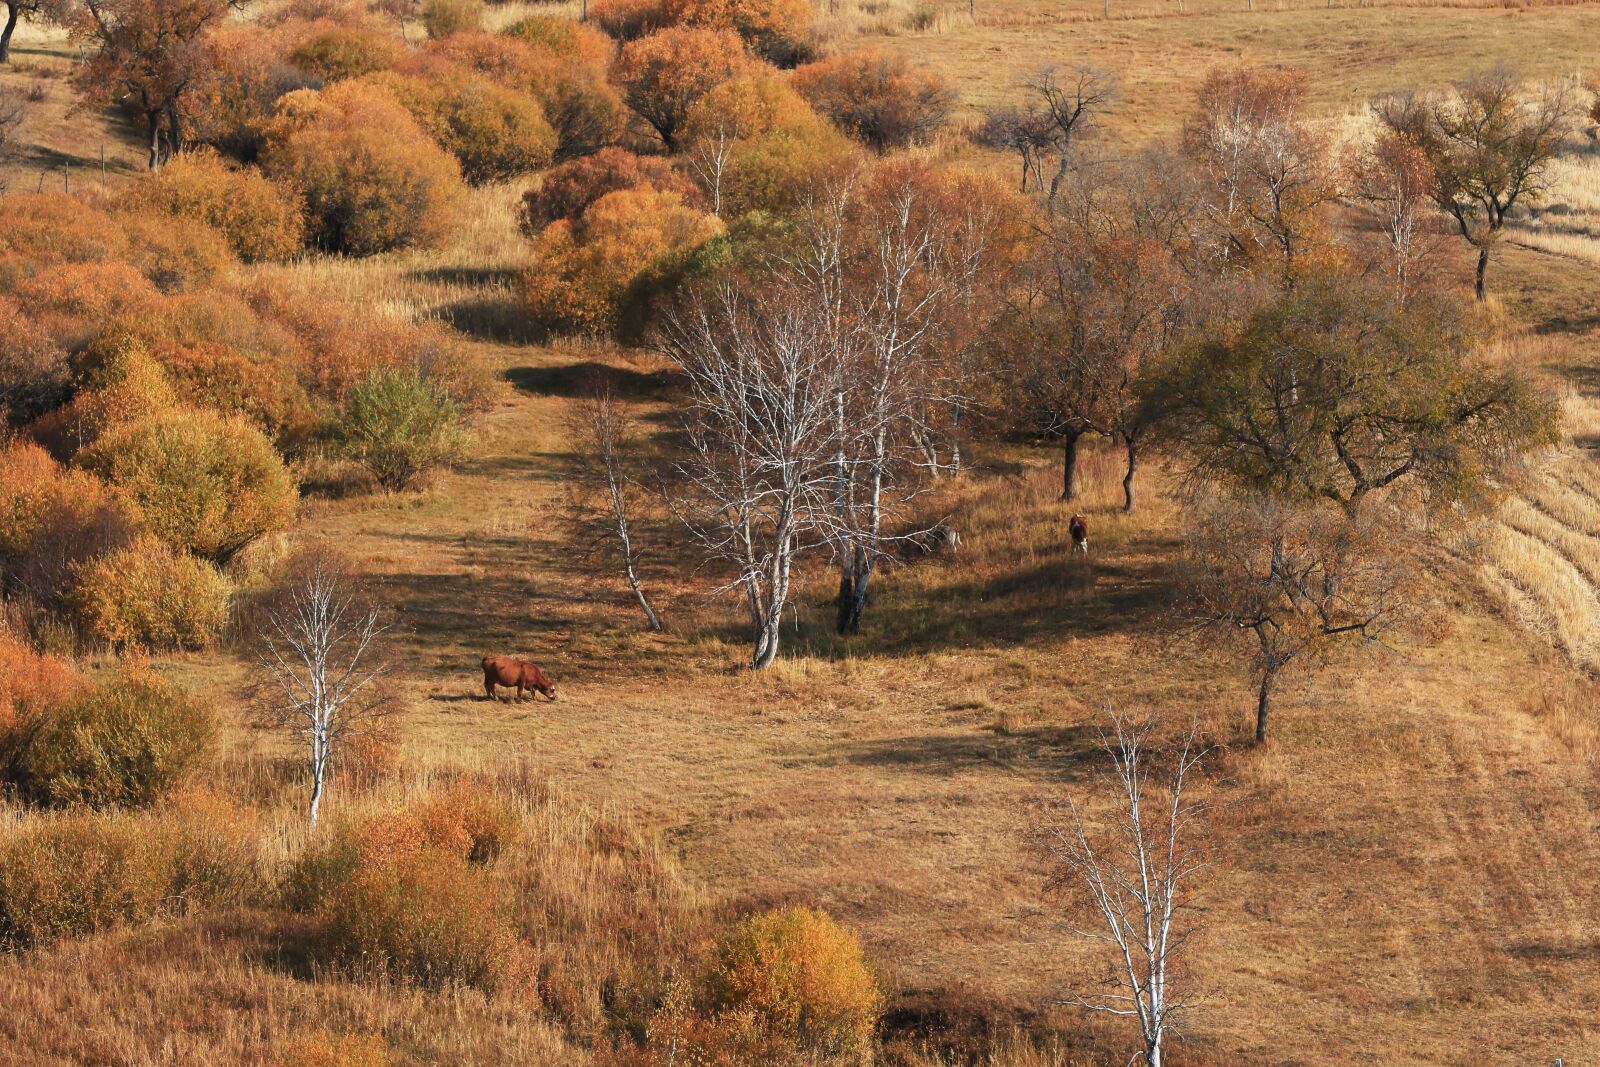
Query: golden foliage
664	74
258	219
493	132
339	52
148	595
879	97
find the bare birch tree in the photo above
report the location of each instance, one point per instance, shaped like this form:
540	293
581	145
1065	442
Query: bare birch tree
606	440
1136	880
757	472
319	649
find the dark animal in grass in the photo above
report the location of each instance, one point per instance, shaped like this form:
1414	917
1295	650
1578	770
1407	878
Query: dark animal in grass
517	674
1080	534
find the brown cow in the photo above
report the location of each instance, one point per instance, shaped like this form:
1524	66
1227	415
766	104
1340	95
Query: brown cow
1080	534
510	671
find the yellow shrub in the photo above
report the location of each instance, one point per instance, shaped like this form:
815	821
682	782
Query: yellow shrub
177	254
51	520
584	270
73	874
442	18
340	52
126	744
202	481
259	221
564	37
802	975
493	132
662	75
775	29
149	596
370	178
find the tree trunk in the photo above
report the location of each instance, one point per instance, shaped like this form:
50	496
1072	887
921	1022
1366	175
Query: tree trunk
1264	702
1483	268
638	591
847	596
1152	1053
12	14
319	768
154	118
1069	465
1127	479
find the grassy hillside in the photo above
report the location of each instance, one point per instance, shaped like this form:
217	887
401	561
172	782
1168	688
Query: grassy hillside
1405	875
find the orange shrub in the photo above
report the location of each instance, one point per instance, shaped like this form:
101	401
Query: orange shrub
585	269
71	301
469	819
578	101
51	519
325	1050
566	191
441	18
662	75
32	685
57	228
240	76
778	142
389	900
339	52
33	366
628	20
259	221
341	344
204	482
370	178
149	596
120	385
177	254
493	132
775	29
879	97
564	37
802	975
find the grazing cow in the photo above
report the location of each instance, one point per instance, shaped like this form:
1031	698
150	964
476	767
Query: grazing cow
1080	534
519	673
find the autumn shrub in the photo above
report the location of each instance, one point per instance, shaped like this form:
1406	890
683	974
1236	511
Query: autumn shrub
256	217
52	519
388	900
58	228
177	254
567	190
118	385
238	81
339	52
34	374
774	29
802	975
770	141
564	37
879	97
399	424
242	382
578	101
442	18
73	873
147	595
202	481
342	344
680	1033
662	75
469	818
32	685
493	132
73	301
125	744
370	178
628	20
587	271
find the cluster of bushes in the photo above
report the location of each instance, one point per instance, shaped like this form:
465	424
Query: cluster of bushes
151	409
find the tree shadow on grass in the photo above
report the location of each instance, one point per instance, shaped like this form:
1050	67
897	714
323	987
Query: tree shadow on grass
1057	752
573	380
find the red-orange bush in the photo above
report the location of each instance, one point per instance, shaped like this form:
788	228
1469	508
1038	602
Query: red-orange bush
240	77
33	366
73	301
662	75
564	37
877	96
628	20
566	191
775	29
57	228
585	270
31	686
177	254
258	219
370	178
338	52
51	519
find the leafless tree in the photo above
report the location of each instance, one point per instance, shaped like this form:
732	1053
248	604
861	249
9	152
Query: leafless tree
1028	131
709	157
1295	577
1136	880
1489	142
606	442
1066	103
757	474
318	647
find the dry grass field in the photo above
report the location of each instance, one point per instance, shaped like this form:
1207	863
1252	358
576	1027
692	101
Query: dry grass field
1405	875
